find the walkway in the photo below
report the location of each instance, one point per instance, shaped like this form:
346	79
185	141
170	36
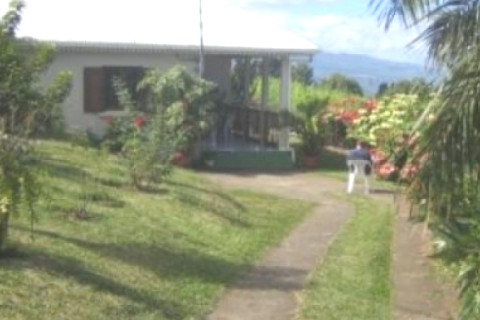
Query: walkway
270	291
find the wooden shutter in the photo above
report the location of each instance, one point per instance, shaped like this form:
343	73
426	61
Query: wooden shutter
93	90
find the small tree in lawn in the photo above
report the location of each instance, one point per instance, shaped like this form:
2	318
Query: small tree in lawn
182	111
24	111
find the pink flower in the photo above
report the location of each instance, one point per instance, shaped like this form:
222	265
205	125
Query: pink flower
386	170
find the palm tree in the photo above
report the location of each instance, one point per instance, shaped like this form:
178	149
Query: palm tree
451	142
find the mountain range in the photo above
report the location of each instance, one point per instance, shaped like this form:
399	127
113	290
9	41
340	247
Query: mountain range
370	72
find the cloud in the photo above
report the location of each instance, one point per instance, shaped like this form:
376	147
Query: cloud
173	20
360	35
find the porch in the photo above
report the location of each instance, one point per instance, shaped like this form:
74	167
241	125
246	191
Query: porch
248	138
251	134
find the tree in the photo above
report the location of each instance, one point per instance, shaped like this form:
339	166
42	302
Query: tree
24	109
302	73
450	175
244	71
382	88
418	86
340	82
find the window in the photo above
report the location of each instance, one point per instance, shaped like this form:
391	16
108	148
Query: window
99	93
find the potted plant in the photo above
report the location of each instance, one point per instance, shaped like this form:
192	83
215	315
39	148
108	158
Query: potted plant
310	129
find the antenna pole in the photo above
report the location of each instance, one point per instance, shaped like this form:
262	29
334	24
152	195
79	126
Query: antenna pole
201	57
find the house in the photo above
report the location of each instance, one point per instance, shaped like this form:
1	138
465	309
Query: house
95	43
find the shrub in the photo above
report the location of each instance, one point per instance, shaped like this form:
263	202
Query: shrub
182	111
25	110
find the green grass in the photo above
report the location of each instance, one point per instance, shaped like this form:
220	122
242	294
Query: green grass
354	281
163	254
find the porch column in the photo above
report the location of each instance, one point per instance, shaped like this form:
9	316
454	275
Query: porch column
246	83
285	100
264	101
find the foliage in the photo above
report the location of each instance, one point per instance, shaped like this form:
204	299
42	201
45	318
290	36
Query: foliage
309	123
449	145
342	83
299	92
243	68
25	110
182	112
393	117
189	102
341	115
418	86
22	64
302	73
386	125
382	88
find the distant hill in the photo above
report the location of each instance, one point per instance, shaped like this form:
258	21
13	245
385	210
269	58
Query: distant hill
370	72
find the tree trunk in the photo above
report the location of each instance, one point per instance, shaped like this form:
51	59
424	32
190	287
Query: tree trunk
4	221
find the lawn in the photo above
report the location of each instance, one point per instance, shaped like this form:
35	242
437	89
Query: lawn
165	253
354	281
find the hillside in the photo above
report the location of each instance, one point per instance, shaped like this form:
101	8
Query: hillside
370	72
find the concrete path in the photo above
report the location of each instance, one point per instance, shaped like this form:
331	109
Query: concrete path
270	290
418	295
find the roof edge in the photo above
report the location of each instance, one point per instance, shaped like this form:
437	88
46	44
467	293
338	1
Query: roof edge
79	46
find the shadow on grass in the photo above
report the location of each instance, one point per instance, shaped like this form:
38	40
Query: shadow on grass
64	170
382	191
163	261
273	278
103	198
113	183
70	268
191	195
168	263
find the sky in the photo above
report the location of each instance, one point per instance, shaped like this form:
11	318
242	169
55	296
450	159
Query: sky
346	26
342	26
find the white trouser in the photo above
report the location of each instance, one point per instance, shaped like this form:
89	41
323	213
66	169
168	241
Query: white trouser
359	167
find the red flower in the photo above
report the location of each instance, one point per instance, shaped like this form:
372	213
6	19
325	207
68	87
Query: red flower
348	116
140	122
370	105
181	159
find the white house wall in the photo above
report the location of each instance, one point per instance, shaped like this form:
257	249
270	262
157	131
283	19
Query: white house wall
75	62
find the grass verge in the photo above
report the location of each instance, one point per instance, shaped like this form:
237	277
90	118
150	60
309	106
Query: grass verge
354	281
102	250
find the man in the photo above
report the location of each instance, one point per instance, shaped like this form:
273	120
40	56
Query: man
358	160
359	153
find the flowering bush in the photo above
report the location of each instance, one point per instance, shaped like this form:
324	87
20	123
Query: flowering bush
149	142
387	125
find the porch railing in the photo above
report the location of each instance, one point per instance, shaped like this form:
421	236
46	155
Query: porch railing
250	125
